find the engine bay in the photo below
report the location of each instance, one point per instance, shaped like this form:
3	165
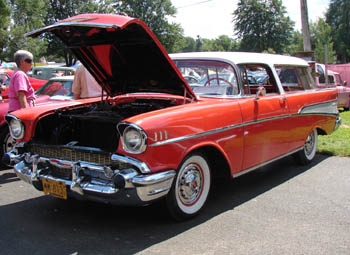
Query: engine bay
92	126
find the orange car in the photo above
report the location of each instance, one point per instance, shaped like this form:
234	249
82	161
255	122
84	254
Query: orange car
154	137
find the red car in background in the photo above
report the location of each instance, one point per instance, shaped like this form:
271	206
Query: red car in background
56	90
5	77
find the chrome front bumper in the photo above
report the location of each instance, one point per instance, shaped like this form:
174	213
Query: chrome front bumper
122	187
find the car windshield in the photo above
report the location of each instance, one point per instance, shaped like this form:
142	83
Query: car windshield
208	77
56	88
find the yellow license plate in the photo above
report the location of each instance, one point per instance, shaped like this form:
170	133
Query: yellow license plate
55	188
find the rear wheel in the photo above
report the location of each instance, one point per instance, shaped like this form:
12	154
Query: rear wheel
190	188
308	153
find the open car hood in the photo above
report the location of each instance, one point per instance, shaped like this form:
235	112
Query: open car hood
121	53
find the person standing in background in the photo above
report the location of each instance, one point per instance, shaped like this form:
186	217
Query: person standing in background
21	92
84	84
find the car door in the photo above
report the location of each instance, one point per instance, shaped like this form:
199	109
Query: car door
265	118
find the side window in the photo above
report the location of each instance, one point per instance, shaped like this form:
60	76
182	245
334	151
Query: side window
257	75
295	78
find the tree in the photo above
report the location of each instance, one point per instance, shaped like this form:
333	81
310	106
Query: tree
4	23
295	44
338	18
262	24
321	33
155	14
190	44
27	15
62	9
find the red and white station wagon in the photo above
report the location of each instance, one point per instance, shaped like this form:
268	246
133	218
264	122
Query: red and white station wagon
157	137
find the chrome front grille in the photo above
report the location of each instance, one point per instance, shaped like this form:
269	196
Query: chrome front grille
74	155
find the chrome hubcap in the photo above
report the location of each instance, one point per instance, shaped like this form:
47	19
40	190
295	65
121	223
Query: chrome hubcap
190	184
309	144
8	143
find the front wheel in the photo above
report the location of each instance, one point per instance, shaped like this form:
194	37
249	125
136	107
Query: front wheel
7	142
190	188
308	153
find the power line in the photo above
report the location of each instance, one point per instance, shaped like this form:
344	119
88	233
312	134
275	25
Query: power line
202	2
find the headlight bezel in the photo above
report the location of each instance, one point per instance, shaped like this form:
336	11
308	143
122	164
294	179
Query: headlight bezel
13	121
124	129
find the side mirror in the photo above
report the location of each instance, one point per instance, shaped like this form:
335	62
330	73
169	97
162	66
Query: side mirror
345	83
261	91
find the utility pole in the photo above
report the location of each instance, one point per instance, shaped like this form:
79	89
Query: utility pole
305	25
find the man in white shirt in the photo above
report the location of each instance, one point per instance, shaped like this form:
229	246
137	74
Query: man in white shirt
84	84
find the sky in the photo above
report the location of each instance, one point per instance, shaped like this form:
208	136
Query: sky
212	18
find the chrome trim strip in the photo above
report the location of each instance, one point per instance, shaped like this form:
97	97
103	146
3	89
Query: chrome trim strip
329	107
265	163
78	24
142	166
154	178
218	130
301	112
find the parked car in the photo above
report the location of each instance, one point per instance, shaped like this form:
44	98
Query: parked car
153	138
5	77
47	72
53	92
334	80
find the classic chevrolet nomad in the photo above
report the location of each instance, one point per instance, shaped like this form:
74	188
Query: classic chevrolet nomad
156	136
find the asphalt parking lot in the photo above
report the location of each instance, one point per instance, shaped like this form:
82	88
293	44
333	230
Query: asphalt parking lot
282	208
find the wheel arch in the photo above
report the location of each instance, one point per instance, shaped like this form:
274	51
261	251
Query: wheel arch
217	159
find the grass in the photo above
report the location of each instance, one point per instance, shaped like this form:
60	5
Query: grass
338	143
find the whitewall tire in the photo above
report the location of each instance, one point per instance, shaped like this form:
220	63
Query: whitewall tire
190	188
308	153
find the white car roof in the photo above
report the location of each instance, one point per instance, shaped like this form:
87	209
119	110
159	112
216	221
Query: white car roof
244	58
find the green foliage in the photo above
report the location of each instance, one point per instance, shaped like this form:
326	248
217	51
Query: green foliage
190	45
338	18
4	23
155	14
27	16
321	36
295	44
337	144
262	24
62	9
19	41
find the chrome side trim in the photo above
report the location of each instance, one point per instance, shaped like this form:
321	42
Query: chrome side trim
218	130
329	107
315	109
265	163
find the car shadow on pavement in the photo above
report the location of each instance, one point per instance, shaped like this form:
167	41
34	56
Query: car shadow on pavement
46	225
6	177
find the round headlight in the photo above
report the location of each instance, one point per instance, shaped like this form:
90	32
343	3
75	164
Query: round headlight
134	140
17	129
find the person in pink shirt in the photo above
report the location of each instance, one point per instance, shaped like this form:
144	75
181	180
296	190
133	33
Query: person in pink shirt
21	92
